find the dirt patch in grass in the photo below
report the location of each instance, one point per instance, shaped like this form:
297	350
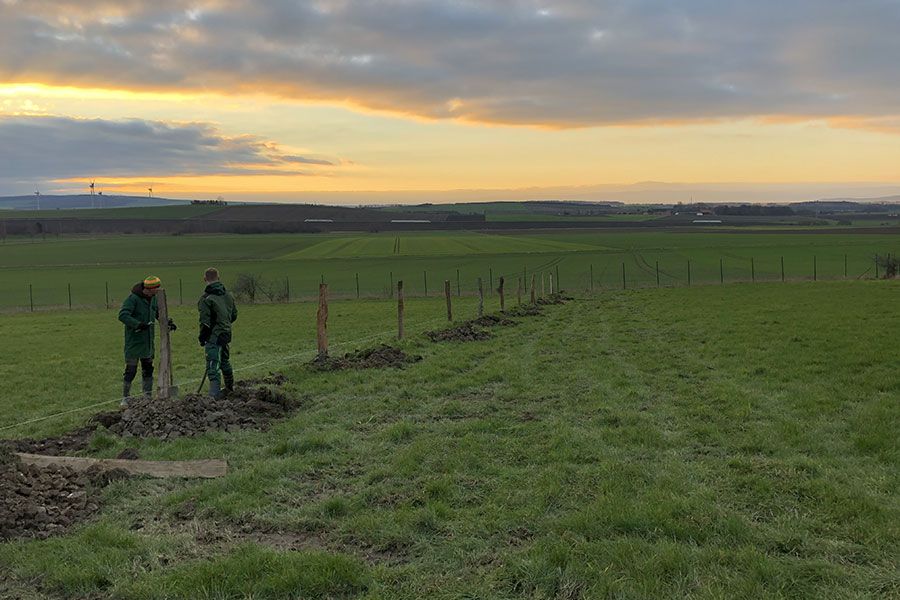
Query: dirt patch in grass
525	310
43	501
379	357
557	298
493	321
254	404
467	332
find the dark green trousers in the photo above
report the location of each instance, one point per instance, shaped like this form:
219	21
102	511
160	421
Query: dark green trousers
218	358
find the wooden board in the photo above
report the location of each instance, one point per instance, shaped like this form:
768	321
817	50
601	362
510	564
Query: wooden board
206	469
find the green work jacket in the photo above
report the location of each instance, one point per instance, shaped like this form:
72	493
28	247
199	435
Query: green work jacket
217	311
138	309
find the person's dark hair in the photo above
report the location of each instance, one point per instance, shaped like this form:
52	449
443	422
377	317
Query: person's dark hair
212	274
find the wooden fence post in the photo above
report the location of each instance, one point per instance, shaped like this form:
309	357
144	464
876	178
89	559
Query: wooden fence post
287	288
400	309
458	287
425	279
391	288
752	270
845	266
533	299
502	298
623	276
357	286
480	298
592	277
31	296
519	291
550	277
815	269
689	273
542	284
69	286
164	381
322	322
447	296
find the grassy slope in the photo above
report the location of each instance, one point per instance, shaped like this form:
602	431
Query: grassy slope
712	443
88	264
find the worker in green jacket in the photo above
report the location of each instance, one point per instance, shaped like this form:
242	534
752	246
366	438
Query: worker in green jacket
138	313
217	312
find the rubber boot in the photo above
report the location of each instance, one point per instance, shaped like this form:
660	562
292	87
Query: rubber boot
215	390
229	382
126	394
147	386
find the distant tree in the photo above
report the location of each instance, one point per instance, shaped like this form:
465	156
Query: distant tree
248	286
889	264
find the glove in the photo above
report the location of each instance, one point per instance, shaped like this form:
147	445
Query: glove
205	332
142	326
172	325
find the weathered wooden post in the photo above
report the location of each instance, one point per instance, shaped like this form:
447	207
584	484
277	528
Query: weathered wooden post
550	276
689	273
447	296
752	270
623	276
533	299
502	298
815	269
519	292
425	279
164	382
542	284
69	286
400	309
480	298
357	286
458	288
845	266
322	322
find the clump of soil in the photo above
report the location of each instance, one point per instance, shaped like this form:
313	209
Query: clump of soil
556	298
128	454
252	405
378	357
525	310
493	321
42	501
467	332
66	443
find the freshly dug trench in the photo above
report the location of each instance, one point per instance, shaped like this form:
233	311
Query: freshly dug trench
525	310
373	358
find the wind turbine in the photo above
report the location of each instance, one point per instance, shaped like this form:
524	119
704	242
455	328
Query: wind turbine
150	191
37	195
92	193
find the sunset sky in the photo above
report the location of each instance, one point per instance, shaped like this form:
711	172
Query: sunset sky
276	99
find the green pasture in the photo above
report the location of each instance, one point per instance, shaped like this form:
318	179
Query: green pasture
43	271
712	442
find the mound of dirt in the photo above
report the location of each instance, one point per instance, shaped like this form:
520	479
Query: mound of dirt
62	445
378	357
467	332
557	298
525	310
493	321
252	405
42	501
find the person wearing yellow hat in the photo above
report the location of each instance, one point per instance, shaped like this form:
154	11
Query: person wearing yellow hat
138	313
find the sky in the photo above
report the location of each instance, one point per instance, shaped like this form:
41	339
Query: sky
433	100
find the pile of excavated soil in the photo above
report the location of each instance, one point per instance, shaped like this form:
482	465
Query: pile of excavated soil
378	357
42	501
556	298
467	332
493	321
253	405
525	310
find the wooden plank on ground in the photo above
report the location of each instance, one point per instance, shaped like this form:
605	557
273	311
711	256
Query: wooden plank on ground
205	469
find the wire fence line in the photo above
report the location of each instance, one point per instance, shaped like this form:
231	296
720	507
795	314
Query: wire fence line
630	270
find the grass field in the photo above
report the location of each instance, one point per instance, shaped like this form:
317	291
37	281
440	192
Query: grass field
716	442
43	270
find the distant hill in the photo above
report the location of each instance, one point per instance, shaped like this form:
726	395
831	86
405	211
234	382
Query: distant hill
850	205
81	201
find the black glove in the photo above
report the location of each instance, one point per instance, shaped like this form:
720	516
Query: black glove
205	332
142	326
172	325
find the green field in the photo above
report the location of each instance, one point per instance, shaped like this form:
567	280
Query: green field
729	441
42	271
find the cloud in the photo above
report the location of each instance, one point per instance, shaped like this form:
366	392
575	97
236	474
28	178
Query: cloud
45	148
559	64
